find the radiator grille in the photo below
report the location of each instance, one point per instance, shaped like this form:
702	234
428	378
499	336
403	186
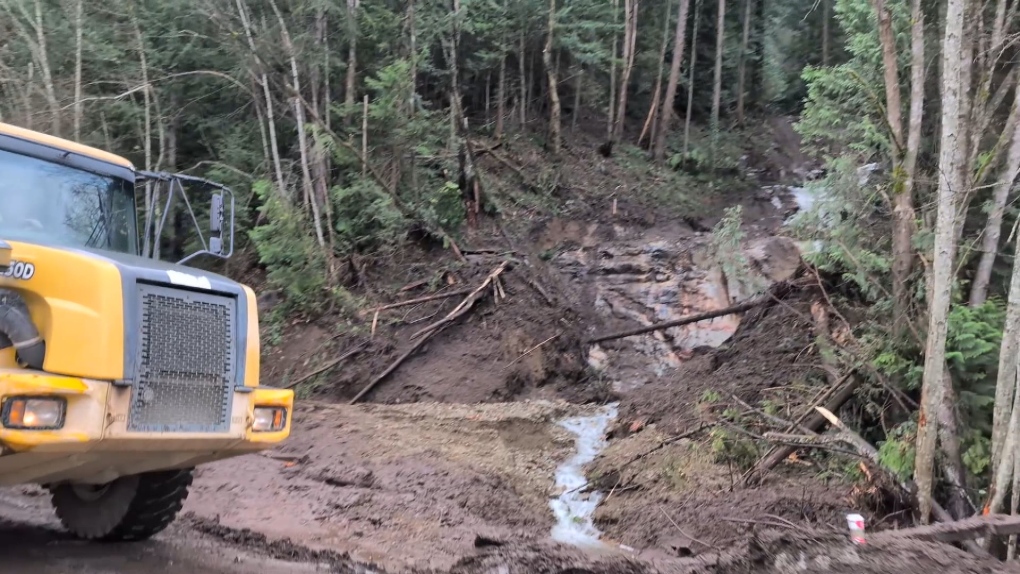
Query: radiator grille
186	362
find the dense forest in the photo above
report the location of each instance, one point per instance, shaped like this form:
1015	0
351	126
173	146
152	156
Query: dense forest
348	127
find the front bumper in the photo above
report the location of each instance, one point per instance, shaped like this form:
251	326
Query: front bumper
94	445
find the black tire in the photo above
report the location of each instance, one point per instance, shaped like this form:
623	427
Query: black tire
130	508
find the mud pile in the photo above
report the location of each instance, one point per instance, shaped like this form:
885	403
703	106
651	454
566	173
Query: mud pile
773	349
521	339
765	552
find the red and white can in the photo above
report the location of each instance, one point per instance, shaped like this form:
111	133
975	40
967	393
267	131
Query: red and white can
856	524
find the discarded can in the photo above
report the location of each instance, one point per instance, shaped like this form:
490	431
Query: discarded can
856	524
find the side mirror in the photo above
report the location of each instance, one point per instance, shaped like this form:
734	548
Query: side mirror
216	213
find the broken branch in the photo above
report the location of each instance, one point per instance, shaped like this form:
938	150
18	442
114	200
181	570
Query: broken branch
782	423
327	366
833	399
506	163
871	453
417	300
466	304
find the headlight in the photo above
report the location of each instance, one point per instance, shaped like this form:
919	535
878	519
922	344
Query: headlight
33	413
269	419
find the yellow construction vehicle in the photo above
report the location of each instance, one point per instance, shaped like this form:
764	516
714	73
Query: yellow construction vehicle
119	373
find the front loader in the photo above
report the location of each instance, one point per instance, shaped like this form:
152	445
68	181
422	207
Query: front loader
119	373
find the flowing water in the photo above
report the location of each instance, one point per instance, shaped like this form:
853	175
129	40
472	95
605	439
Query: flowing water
574	507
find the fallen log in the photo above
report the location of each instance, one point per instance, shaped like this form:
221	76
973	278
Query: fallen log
393	366
832	400
959	530
465	305
739	308
868	451
428	332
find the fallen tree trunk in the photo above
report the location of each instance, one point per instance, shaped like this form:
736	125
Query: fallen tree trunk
838	394
464	305
775	293
960	530
739	308
908	486
428	332
393	366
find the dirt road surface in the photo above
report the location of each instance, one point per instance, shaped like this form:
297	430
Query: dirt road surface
31	543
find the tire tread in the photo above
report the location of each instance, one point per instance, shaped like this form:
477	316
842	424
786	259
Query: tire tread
154	504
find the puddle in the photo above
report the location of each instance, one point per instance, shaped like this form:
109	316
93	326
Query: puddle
573	508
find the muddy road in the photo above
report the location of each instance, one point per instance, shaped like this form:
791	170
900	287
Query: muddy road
29	549
32	543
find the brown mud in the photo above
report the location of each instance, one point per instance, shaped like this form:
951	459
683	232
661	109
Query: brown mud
449	466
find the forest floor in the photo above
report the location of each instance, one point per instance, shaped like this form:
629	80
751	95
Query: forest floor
448	464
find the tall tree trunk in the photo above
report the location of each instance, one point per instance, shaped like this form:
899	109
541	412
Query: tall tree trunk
903	205
521	55
1005	459
610	113
652	120
720	44
690	81
969	140
79	25
150	240
933	390
554	96
44	67
320	156
299	115
893	101
578	85
629	50
501	97
669	101
993	226
412	31
1005	412
826	40
274	147
352	59
742	61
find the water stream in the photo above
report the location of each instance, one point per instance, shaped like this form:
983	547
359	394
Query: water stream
574	508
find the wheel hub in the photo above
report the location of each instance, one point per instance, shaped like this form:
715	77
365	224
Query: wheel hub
90	492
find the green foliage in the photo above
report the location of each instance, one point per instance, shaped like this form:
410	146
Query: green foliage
365	217
840	227
710	397
977	454
444	207
294	263
897	452
974	338
844	105
727	250
709	152
972	353
730	448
